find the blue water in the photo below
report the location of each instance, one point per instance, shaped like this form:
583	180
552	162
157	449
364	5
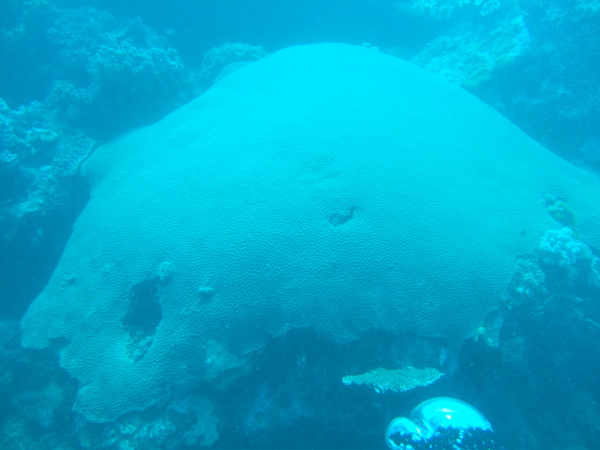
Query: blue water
75	77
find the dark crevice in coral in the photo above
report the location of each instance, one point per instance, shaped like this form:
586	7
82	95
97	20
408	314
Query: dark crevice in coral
338	218
142	317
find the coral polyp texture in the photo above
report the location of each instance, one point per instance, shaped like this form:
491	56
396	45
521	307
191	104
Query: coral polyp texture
328	187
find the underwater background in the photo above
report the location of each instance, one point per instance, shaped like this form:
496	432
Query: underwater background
77	75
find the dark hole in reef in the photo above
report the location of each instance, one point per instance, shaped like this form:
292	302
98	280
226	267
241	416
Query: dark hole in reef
338	218
142	317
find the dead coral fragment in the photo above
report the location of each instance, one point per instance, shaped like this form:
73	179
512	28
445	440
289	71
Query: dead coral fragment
398	380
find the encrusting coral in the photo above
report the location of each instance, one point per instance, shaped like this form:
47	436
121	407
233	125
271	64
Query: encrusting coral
398	380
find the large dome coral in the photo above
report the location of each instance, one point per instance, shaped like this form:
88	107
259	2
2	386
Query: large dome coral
329	187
